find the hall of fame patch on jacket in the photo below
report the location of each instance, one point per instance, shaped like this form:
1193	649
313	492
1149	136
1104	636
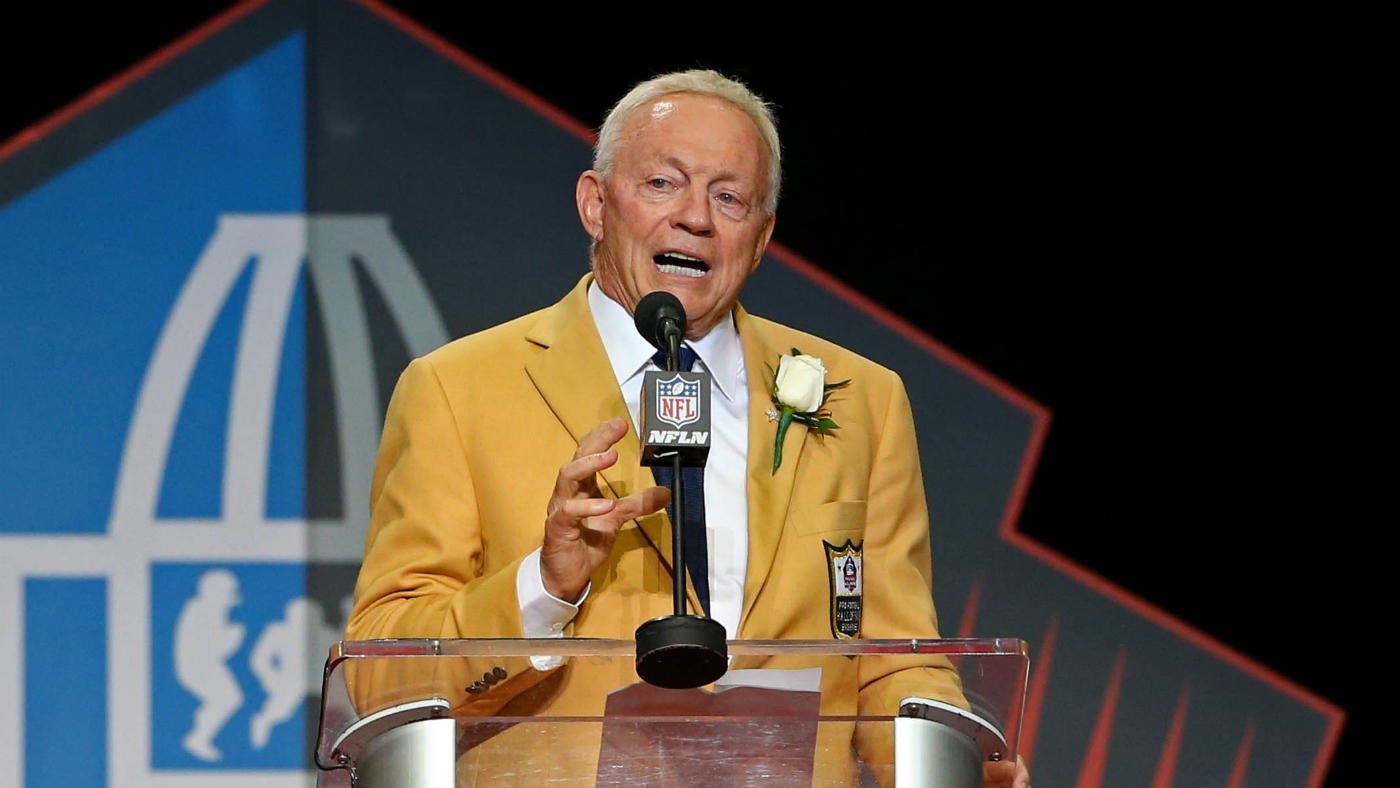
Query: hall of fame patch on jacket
843	564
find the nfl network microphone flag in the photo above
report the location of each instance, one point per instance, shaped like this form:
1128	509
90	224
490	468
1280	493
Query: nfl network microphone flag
675	417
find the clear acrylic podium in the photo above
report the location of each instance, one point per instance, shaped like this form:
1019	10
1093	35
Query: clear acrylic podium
427	713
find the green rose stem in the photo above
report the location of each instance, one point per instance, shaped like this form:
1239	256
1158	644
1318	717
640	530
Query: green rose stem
817	419
783	422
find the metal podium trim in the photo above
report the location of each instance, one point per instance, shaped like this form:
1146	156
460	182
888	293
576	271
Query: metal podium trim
939	745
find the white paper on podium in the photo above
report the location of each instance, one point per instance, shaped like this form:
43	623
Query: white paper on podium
804	680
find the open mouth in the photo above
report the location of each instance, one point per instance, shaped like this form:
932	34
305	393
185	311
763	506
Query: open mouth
681	265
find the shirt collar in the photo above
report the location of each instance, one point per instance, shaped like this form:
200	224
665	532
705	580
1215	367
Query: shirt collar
629	353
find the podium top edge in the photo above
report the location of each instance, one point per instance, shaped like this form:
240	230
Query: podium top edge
546	647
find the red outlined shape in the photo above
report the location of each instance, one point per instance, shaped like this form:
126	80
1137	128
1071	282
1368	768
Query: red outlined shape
1096	756
1238	772
1165	775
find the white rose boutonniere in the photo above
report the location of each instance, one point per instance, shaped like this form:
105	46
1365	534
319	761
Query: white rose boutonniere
800	391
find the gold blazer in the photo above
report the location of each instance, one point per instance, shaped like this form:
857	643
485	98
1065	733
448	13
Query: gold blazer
473	440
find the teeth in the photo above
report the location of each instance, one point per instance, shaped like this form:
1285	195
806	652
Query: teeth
664	268
666	263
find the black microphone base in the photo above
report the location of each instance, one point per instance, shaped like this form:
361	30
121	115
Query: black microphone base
681	652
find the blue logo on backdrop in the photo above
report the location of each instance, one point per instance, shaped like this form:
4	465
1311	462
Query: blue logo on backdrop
106	286
231	664
162	408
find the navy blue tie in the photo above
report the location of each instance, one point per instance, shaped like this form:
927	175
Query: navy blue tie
693	531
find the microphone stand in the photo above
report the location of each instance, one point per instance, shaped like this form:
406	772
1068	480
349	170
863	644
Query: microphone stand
680	651
673	364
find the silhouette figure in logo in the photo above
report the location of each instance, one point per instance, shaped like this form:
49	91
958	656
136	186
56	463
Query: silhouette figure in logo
279	661
205	638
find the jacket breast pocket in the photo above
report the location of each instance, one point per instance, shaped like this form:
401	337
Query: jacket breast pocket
830	516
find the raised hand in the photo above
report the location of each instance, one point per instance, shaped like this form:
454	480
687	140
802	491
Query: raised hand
582	524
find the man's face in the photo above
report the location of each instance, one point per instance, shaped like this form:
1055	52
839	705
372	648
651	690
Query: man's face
681	210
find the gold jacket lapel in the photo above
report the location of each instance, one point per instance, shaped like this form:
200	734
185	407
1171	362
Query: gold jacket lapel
769	493
566	376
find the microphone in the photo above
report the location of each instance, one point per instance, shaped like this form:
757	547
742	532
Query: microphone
660	319
678	651
676	403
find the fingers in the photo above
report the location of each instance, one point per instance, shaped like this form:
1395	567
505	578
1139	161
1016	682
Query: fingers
996	774
575	510
580	534
601	437
643	502
1012	774
578	477
581	524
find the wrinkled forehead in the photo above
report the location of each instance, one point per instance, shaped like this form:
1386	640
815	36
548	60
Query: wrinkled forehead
703	123
684	107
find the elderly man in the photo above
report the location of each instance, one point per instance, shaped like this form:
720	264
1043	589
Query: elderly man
478	530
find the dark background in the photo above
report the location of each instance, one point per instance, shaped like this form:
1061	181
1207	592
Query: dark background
1137	233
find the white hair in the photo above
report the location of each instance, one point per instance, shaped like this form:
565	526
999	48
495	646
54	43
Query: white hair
704	82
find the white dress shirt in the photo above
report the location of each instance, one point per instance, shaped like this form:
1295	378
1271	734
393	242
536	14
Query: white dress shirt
726	496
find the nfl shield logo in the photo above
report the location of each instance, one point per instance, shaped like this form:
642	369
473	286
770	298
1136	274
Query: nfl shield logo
678	401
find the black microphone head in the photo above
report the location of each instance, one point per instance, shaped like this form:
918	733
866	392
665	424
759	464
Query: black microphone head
654	312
